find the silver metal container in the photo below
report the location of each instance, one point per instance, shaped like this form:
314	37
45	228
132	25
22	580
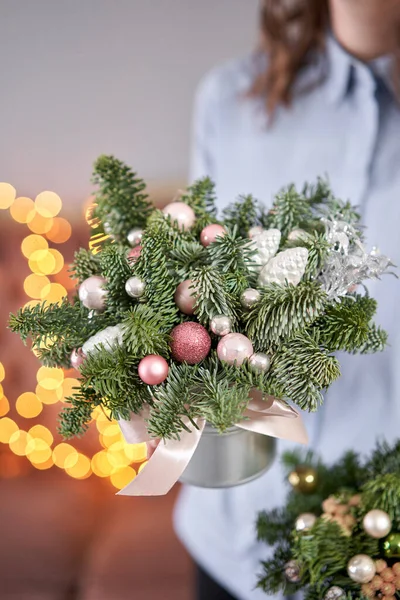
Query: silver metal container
229	459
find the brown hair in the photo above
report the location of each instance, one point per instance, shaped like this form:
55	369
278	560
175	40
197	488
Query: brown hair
291	31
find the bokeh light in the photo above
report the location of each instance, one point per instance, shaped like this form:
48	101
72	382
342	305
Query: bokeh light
2	372
39	224
42	433
35	284
79	469
19	441
53	293
60	231
4	406
32	243
101	465
7	194
49	396
42	466
28	405
38	451
50	378
65	452
42	262
22	210
142	466
48	204
122	477
7	428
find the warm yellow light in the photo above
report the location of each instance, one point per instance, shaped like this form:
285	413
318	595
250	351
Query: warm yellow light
28	405
4	406
44	465
42	433
81	469
68	386
53	292
102	422
49	396
39	224
101	466
22	210
117	456
1	391
111	430
42	262
136	452
142	466
58	259
48	204
60	231
7	428
309	478
34	285
50	378
19	442
109	440
31	304
7	194
122	477
38	451
32	243
2	372
62	452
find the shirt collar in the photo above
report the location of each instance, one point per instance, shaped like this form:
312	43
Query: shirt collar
343	71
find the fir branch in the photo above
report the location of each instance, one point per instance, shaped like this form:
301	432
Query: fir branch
145	332
282	311
121	201
232	254
383	492
85	265
74	420
213	297
242	214
289	210
186	256
304	369
376	341
117	270
318	248
201	197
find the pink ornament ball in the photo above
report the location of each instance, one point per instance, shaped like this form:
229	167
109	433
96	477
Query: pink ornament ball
181	214
134	253
77	358
184	298
153	369
191	343
210	233
92	293
234	348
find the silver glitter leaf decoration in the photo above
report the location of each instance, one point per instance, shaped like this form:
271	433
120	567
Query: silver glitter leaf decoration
287	266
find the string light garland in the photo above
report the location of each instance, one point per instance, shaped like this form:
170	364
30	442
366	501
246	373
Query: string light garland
48	281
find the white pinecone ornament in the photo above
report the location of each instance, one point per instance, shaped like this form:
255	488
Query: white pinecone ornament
287	266
108	337
266	244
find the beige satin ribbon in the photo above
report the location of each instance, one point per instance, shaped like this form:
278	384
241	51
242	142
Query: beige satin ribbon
264	415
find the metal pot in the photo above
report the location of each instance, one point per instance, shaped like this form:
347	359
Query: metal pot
228	459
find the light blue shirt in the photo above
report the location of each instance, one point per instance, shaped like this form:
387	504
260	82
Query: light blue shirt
348	127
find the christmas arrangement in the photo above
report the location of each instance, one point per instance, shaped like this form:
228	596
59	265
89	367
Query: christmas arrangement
339	534
180	315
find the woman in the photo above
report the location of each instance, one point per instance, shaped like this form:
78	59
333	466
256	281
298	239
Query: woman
320	98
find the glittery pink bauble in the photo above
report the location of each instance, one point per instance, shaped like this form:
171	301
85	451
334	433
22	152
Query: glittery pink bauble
190	343
181	213
135	253
153	369
183	297
210	234
77	358
234	348
92	293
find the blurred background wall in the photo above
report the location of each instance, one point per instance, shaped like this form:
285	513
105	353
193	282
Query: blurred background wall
84	77
80	78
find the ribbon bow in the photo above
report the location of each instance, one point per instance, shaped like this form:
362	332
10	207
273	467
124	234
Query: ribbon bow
265	415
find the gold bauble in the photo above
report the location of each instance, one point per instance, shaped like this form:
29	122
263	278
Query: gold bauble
303	479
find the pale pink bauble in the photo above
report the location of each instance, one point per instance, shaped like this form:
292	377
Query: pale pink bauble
234	348
184	298
181	214
210	233
153	369
135	253
92	293
77	358
190	342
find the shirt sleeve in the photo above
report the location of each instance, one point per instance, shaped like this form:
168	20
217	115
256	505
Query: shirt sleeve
204	130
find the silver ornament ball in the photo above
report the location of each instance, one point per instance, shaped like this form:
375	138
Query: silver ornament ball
292	571
305	521
361	568
92	293
221	325
249	298
377	523
134	237
334	593
259	362
135	287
